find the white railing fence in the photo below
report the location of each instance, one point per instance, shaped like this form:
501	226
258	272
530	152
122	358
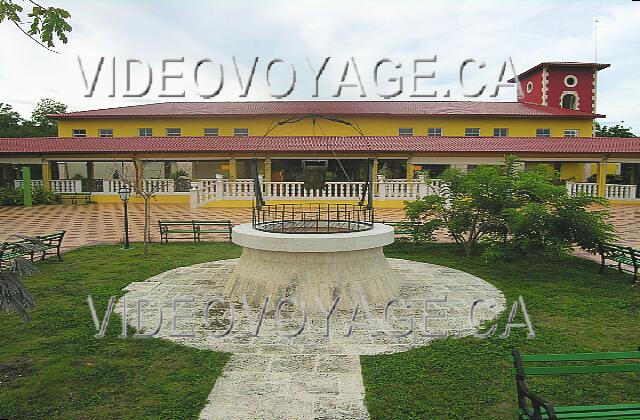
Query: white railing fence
243	189
613	191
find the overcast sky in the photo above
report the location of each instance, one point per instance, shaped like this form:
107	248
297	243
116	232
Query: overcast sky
308	31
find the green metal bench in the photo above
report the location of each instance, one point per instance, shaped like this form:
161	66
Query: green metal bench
213	227
74	198
533	407
620	255
193	228
29	247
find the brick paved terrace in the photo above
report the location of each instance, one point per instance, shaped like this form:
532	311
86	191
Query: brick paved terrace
89	224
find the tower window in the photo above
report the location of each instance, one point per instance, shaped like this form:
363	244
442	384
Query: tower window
570	81
405	131
472	132
569	101
434	132
210	132
241	132
572	132
80	132
500	132
529	86
543	132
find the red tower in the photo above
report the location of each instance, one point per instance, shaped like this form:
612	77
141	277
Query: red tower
561	85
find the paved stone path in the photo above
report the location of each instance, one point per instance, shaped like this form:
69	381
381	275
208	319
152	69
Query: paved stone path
103	223
309	375
91	224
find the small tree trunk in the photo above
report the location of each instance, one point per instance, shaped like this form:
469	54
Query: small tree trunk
147	216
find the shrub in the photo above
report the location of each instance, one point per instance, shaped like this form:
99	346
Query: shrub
517	212
15	196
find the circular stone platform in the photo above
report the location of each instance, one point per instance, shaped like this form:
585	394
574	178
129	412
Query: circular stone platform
310	375
313	266
418	282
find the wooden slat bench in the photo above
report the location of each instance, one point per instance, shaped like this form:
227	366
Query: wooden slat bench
532	406
74	198
620	255
29	247
192	228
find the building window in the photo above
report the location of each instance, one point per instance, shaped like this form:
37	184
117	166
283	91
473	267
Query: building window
572	132
145	132
435	132
80	132
569	101
173	132
210	132
500	132
105	132
405	131
543	132
240	131
529	86
472	132
570	81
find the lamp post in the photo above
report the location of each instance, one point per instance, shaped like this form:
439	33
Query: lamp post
125	193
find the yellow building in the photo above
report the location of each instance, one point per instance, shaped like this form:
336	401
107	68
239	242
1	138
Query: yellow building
551	122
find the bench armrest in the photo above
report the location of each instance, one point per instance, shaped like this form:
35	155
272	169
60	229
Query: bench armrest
539	406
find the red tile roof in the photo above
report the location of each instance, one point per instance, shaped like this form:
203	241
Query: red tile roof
69	145
597	66
287	108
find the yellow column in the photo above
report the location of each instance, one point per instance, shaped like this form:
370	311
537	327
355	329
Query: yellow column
410	170
46	175
602	177
267	169
375	169
233	173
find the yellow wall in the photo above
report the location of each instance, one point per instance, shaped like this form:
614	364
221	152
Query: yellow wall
375	126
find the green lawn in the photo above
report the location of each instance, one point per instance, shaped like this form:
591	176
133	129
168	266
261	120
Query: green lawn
54	367
573	309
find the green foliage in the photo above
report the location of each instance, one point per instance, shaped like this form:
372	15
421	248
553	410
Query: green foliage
385	171
516	211
43	108
13	125
14	297
46	24
617	130
15	196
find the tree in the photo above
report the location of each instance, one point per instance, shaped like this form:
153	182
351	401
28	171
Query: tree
10	121
45	23
617	130
515	211
40	113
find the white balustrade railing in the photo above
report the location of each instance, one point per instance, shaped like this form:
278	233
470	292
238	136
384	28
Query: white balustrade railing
243	189
613	191
34	183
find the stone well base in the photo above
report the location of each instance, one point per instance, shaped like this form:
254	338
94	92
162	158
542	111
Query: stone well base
308	276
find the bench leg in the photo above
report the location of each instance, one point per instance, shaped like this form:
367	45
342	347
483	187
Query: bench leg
59	254
619	267
602	264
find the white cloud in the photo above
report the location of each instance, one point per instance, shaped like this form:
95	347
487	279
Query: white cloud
528	31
